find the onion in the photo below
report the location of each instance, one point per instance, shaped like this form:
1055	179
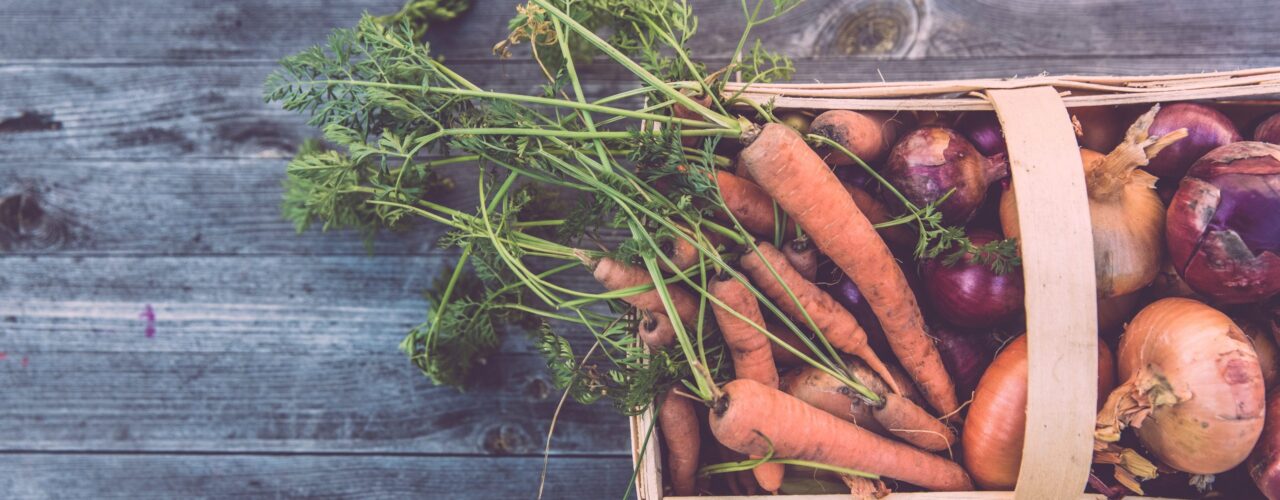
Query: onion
1193	372
1269	130
1100	127
1126	215
966	357
1224	224
931	161
970	294
1207	128
983	130
994	429
1265	347
1113	312
1264	462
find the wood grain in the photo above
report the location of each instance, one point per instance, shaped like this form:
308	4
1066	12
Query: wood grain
189	30
130	477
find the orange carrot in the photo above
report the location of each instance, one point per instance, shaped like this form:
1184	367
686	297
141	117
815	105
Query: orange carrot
802	256
682	253
748	203
809	192
752	418
655	329
912	424
898	236
833	321
868	135
679	425
615	275
752	358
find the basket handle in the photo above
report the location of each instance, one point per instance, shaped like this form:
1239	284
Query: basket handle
1061	293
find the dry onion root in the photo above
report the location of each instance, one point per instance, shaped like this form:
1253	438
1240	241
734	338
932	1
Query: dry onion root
1193	391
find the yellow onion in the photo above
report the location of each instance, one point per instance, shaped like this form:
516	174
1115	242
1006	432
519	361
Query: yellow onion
1193	389
1126	214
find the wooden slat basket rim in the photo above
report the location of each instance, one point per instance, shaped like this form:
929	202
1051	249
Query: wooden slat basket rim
1057	257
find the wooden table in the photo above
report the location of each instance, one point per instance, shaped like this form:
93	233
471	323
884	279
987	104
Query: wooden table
140	178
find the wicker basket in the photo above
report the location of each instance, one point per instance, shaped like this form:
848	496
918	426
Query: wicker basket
1057	252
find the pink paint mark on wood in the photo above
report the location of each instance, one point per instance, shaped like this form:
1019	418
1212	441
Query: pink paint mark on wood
149	316
25	362
3	355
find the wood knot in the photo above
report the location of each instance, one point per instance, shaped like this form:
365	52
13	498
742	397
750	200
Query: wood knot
505	440
537	389
879	28
25	224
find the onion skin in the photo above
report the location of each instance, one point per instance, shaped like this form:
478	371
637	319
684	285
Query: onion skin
995	428
1114	312
1128	233
1269	130
966	357
1207	129
930	161
1260	337
1264	462
1202	374
1224	232
969	294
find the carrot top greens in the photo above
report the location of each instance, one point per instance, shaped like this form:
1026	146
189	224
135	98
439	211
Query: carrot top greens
559	178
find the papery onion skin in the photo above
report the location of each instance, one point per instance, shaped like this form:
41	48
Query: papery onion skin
969	294
1264	462
1128	235
1269	130
1205	357
995	428
1207	129
931	161
1223	224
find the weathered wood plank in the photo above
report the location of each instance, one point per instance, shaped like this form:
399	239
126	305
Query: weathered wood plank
154	207
255	354
217	111
176	476
257	30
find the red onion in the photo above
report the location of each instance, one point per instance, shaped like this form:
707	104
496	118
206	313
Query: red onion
966	356
930	161
983	130
969	294
1268	130
1207	128
1101	127
1224	224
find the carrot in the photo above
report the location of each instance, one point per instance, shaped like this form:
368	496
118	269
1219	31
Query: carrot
913	424
748	203
802	256
752	418
899	416
681	252
898	236
752	358
809	192
615	275
820	390
868	135
655	329
834	322
679	425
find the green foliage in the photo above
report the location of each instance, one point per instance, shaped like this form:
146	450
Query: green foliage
421	13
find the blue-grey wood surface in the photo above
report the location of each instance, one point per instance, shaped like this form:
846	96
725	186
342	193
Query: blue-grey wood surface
140	171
